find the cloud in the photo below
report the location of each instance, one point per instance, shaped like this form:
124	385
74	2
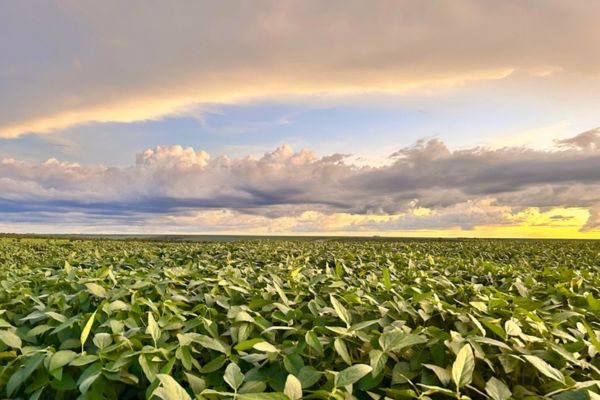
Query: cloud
426	186
589	140
74	62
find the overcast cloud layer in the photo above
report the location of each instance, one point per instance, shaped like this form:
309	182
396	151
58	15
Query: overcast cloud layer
426	185
72	62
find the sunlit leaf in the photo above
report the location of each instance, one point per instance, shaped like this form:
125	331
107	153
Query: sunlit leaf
86	329
170	389
152	328
341	311
545	368
233	376
497	390
293	388
352	374
96	289
61	358
10	339
463	367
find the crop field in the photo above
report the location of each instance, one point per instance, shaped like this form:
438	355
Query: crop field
310	319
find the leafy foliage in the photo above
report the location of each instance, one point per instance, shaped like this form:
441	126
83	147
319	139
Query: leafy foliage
314	319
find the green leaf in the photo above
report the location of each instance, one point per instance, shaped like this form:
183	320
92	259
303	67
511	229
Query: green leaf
463	367
293	388
56	316
38	330
593	303
545	368
308	376
185	339
67	267
183	354
313	341
262	396
378	359
10	339
253	387
352	374
341	311
593	396
511	328
88	377
385	273
86	329
96	289
233	376
266	347
396	340
117	305
437	389
197	384
342	350
148	367
61	358
213	365
363	325
494	327
20	376
247	344
37	394
102	340
281	294
170	389
83	359
293	363
593	339
152	328
491	342
497	390
443	374
210	343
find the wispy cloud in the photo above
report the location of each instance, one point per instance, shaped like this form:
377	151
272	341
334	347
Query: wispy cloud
68	63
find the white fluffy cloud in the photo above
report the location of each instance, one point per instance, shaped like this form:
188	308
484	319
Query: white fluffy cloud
425	186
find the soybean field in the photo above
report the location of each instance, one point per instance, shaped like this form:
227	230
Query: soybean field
299	319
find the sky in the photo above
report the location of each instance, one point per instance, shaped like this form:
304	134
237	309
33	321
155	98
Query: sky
430	118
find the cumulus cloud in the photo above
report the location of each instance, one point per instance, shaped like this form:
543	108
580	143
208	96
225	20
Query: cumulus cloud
426	186
115	61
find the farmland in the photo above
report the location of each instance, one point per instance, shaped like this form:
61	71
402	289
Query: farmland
280	319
